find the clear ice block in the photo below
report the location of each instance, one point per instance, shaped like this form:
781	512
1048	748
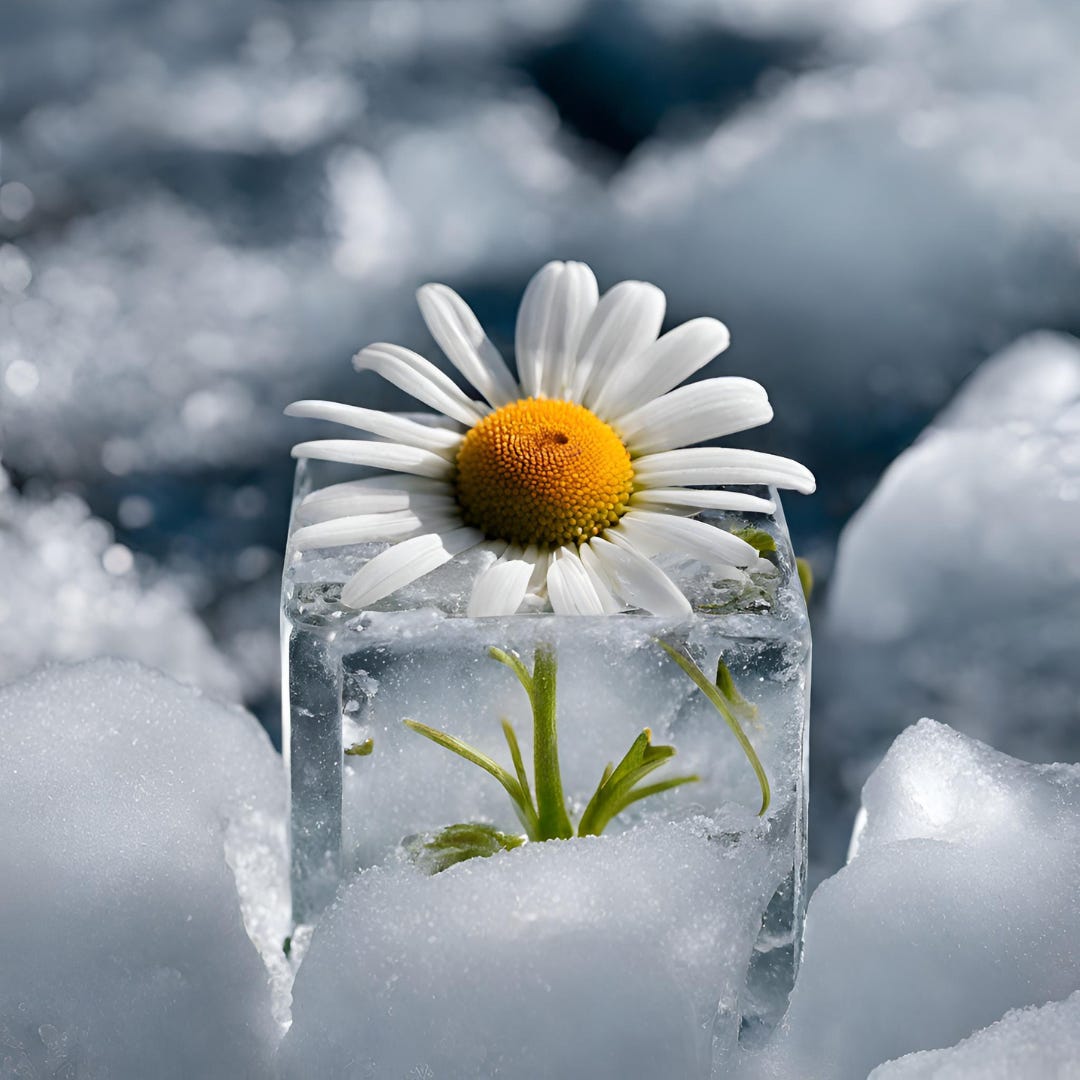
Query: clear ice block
353	676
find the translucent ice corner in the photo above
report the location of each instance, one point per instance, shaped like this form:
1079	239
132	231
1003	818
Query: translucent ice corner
364	786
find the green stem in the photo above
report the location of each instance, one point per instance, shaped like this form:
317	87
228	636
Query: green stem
550	801
723	708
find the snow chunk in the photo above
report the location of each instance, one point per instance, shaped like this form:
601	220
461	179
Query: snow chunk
959	905
1043	1042
70	594
593	957
957	586
127	804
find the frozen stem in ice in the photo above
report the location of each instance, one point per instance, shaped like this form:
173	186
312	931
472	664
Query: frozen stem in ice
730	704
545	817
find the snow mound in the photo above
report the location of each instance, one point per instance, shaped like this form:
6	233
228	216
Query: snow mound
956	591
70	594
1041	1043
593	957
959	904
131	811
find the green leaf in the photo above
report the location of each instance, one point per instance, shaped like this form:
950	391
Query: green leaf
515	664
763	542
806	577
616	789
519	763
286	946
522	806
701	680
659	787
726	685
360	749
457	843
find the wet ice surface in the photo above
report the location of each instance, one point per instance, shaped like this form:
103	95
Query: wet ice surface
71	593
595	957
1041	1041
142	829
956	591
958	905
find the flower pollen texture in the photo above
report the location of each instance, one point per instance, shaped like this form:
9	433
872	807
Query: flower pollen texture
543	471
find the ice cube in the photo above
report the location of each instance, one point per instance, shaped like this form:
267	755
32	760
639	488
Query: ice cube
132	810
356	676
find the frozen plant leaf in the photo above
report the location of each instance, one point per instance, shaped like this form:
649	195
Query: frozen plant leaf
764	543
522	803
457	843
739	705
618	786
360	749
723	707
806	577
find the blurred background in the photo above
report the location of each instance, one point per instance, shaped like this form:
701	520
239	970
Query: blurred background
205	209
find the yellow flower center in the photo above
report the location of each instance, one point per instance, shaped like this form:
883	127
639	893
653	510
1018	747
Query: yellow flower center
541	471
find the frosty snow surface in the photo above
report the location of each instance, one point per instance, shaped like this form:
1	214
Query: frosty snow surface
142	834
354	676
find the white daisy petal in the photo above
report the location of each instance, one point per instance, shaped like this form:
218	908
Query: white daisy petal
625	322
378	483
501	588
386	425
694	413
558	304
638	581
376	502
570	588
539	559
599	579
403	563
652	533
392	456
355	529
421	379
460	335
716	465
694	499
667	362
389	491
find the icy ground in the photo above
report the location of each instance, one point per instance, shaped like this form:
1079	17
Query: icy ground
142	829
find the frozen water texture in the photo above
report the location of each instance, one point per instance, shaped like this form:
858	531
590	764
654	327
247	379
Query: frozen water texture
132	810
72	593
597	957
959	904
416	657
1029	1044
957	586
355	676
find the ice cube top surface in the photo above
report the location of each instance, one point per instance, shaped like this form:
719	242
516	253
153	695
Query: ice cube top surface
768	604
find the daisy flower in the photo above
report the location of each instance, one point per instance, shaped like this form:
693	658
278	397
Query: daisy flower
573	474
